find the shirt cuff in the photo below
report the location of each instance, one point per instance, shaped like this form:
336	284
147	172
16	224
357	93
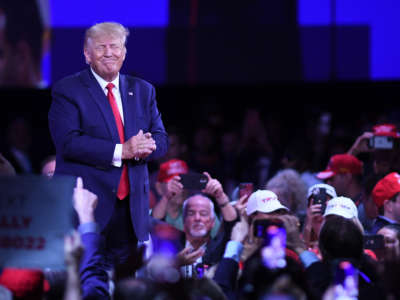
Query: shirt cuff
117	158
89	227
308	258
233	250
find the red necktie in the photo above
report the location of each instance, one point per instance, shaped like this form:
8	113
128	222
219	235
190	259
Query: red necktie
123	188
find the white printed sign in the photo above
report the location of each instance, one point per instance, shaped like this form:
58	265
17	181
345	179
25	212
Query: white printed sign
35	215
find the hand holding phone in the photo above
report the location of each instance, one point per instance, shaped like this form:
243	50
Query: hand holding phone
320	198
245	188
274	234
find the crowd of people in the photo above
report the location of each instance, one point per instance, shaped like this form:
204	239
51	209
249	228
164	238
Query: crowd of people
206	242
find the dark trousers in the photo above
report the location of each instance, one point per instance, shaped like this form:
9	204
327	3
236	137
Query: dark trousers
120	238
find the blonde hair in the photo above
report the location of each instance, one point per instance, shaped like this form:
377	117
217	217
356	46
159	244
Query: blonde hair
106	28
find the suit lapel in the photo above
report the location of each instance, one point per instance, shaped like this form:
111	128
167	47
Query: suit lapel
101	100
128	103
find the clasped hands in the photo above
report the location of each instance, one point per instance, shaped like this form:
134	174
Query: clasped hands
139	146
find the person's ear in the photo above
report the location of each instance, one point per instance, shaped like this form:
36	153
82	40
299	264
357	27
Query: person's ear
387	204
213	221
345	177
87	55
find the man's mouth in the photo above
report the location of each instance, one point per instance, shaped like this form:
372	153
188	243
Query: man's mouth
198	226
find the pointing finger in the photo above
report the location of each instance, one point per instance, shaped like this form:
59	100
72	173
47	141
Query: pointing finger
79	183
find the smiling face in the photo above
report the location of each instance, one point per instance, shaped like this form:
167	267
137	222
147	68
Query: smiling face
105	53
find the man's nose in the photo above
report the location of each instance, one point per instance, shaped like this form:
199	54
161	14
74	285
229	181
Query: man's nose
107	51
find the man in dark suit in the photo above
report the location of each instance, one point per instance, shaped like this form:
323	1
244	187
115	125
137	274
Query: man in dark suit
106	127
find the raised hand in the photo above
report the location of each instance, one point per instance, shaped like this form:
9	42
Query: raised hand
241	206
214	188
84	202
361	144
187	256
174	187
240	230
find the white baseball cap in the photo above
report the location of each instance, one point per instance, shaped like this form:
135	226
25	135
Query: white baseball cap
314	189
341	206
263	201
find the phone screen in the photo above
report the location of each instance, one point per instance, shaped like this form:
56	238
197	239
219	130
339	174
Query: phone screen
201	269
245	188
381	142
273	253
320	198
274	234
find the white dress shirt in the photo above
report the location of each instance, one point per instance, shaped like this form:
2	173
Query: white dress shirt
117	158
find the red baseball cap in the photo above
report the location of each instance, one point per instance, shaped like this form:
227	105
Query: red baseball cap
341	163
170	169
25	283
386	188
386	130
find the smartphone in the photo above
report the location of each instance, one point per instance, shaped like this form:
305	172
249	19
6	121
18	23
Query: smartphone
374	242
260	227
320	198
346	281
274	250
201	269
245	188
381	142
193	181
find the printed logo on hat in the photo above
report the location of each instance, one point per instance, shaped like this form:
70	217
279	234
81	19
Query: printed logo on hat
264	201
268	199
386	130
341	206
171	168
176	168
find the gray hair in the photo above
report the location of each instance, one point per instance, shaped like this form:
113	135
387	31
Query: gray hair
107	28
184	206
291	188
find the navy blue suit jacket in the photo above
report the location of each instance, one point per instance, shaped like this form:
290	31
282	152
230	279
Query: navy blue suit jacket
84	131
